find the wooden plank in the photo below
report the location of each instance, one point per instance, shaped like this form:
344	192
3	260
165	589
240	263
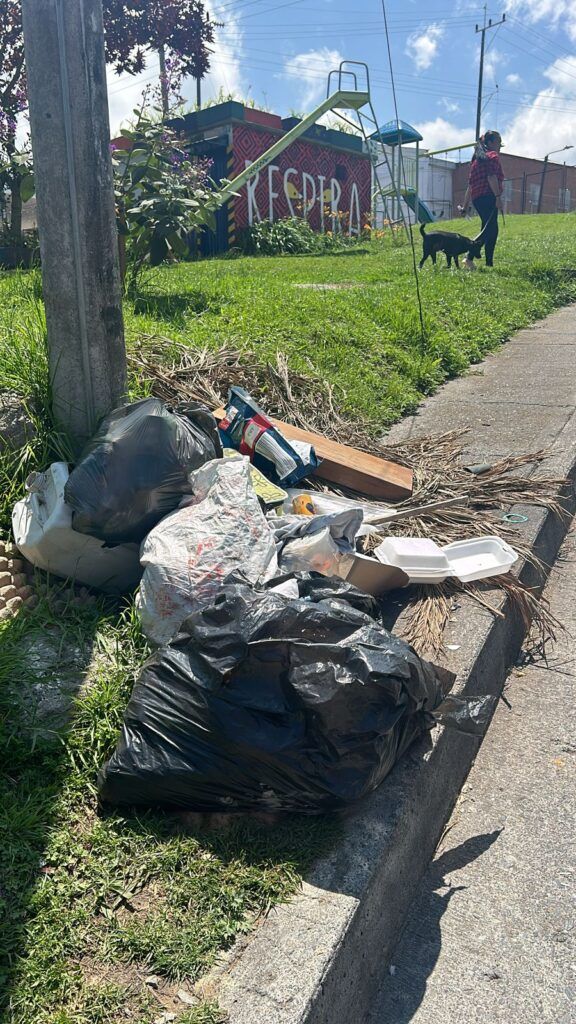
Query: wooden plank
349	467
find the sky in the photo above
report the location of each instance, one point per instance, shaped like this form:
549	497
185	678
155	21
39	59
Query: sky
278	53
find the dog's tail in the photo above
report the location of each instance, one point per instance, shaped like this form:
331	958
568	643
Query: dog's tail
422	230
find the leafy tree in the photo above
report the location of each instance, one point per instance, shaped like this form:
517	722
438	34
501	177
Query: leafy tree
134	27
180	31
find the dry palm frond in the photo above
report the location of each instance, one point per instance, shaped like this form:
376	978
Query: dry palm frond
176	373
432	608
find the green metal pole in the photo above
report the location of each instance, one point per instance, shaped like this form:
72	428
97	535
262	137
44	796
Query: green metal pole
450	149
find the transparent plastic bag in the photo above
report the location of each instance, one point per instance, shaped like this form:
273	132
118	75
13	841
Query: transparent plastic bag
189	553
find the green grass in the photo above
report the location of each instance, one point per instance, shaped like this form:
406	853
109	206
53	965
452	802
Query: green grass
366	337
92	903
89	903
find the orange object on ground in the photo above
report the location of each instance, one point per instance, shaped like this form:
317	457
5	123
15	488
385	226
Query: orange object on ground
302	505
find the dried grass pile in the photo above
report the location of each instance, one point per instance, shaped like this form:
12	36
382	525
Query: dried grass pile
175	373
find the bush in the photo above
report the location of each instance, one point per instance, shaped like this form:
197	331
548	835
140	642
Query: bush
288	237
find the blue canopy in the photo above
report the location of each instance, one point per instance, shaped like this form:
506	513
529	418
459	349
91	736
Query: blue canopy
395	133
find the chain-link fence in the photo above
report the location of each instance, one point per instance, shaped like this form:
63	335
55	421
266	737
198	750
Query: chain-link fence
550	190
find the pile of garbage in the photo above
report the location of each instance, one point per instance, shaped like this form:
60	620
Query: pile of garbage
275	685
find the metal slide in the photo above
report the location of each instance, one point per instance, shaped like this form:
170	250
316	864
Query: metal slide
342	99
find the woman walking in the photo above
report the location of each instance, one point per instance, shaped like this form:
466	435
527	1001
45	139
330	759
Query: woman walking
485	189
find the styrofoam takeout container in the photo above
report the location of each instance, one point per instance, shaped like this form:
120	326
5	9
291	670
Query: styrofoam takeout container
424	561
480	558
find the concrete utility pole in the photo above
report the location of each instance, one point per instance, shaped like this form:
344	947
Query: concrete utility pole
66	74
485	28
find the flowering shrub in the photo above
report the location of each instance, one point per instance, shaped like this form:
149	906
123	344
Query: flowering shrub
291	236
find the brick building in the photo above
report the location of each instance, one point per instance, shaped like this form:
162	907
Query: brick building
523	179
324	176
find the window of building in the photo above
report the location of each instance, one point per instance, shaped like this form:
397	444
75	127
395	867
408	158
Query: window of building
564	200
507	193
534	195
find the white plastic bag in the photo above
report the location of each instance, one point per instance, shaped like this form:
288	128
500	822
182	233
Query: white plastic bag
42	527
187	555
320	543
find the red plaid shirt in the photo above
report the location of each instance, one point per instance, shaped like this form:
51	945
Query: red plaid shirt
480	171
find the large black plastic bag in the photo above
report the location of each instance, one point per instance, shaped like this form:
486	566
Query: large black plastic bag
271	703
135	469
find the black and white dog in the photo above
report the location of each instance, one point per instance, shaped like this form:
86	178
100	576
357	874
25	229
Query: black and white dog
450	243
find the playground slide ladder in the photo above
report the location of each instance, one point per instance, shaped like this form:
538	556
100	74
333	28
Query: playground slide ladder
370	130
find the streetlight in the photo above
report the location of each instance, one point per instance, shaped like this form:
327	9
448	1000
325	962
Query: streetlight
544	169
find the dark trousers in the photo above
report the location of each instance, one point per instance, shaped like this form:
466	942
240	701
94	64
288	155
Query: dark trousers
486	209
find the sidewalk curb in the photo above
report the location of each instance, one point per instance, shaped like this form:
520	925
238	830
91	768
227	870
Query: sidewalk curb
319	959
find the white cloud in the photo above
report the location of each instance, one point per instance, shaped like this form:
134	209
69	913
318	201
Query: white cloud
549	121
439	133
125	92
226	61
553	12
562	74
310	71
450	106
422	46
493	60
513	79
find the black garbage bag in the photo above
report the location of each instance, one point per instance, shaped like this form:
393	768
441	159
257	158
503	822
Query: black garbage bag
269	703
135	469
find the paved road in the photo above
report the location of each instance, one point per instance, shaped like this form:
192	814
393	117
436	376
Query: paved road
491	938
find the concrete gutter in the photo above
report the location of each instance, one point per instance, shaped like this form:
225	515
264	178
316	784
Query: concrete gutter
319	959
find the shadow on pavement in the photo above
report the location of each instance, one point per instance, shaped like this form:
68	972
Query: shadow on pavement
421	944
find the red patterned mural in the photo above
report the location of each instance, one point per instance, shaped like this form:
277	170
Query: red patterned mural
328	187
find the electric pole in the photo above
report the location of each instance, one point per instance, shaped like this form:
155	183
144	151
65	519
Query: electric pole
485	28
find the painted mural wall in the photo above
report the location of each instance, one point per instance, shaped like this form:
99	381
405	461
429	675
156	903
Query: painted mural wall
328	187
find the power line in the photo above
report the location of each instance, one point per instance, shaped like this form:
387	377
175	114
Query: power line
541	60
263	65
539	35
463	93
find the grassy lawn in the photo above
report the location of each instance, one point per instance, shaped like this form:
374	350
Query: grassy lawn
92	905
365	336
